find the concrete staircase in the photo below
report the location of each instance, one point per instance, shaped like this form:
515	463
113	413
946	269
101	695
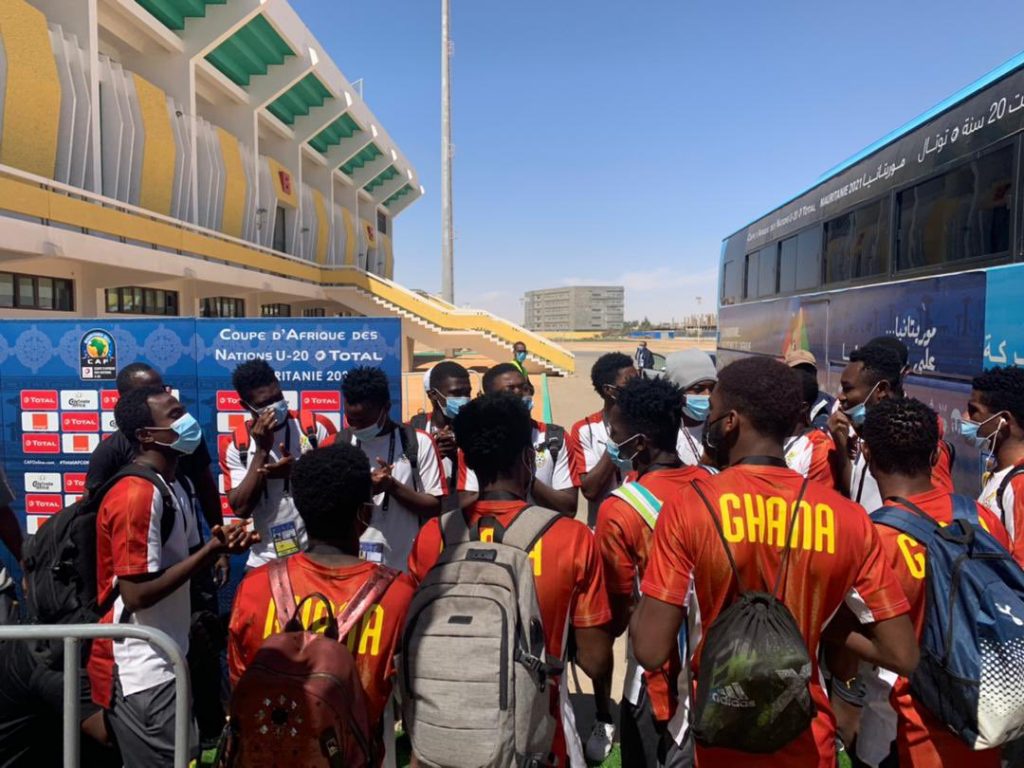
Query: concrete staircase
437	325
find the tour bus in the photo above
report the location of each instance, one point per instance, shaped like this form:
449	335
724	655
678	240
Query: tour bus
919	236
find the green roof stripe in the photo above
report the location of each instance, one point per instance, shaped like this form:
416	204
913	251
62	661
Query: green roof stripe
366	155
309	92
398	195
174	13
382	178
342	128
250	51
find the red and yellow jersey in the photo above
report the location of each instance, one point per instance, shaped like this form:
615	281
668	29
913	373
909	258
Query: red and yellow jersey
567	575
836	557
923	741
624	539
373	641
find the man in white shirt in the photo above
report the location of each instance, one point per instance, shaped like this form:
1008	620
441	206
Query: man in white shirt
257	463
448	388
693	371
872	375
995	422
592	468
408	483
147	550
553	484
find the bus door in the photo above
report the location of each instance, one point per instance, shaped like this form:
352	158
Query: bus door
815	321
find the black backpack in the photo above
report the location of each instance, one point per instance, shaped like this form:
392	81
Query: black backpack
752	688
59	561
555	440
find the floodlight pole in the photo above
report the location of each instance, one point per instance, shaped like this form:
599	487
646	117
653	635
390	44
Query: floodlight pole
447	225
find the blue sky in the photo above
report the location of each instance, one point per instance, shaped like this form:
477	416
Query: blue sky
613	142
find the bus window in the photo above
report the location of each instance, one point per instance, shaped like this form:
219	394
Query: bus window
857	243
800	261
732	282
963	214
768	263
808	259
787	265
750	280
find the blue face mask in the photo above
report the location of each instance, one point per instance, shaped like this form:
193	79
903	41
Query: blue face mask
368	433
614	451
279	409
452	406
858	413
697	407
528	402
189	433
969	430
520	357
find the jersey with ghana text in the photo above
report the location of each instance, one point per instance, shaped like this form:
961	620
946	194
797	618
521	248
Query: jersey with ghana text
835	558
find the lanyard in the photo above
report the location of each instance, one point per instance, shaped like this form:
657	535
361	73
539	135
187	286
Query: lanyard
693	444
288	449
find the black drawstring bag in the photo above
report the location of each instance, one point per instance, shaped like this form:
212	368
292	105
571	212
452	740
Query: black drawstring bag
752	687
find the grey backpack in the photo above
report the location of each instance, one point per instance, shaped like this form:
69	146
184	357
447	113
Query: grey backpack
474	674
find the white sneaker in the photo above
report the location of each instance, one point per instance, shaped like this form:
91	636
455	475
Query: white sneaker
599	742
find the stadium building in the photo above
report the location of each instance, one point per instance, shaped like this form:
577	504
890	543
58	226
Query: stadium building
204	158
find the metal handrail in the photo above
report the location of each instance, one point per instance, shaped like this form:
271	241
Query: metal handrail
72	635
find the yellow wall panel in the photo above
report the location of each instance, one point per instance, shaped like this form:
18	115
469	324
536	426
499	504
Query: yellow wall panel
32	99
323	227
285	196
235	182
158	149
350	238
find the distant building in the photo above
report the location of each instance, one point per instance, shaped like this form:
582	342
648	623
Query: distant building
577	308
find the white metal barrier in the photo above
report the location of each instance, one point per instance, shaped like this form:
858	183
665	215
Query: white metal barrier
72	635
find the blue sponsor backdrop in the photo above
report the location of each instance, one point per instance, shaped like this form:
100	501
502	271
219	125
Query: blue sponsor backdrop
942	320
57	389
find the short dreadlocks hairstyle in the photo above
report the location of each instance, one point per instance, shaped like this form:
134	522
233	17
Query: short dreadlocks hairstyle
366	384
493	431
764	390
606	370
653	407
881	363
902	434
250	376
1002	389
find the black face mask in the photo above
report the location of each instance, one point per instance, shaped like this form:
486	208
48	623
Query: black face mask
712	439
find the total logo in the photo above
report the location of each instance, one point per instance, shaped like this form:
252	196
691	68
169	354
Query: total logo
40	443
39	400
80	422
328	400
79	400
